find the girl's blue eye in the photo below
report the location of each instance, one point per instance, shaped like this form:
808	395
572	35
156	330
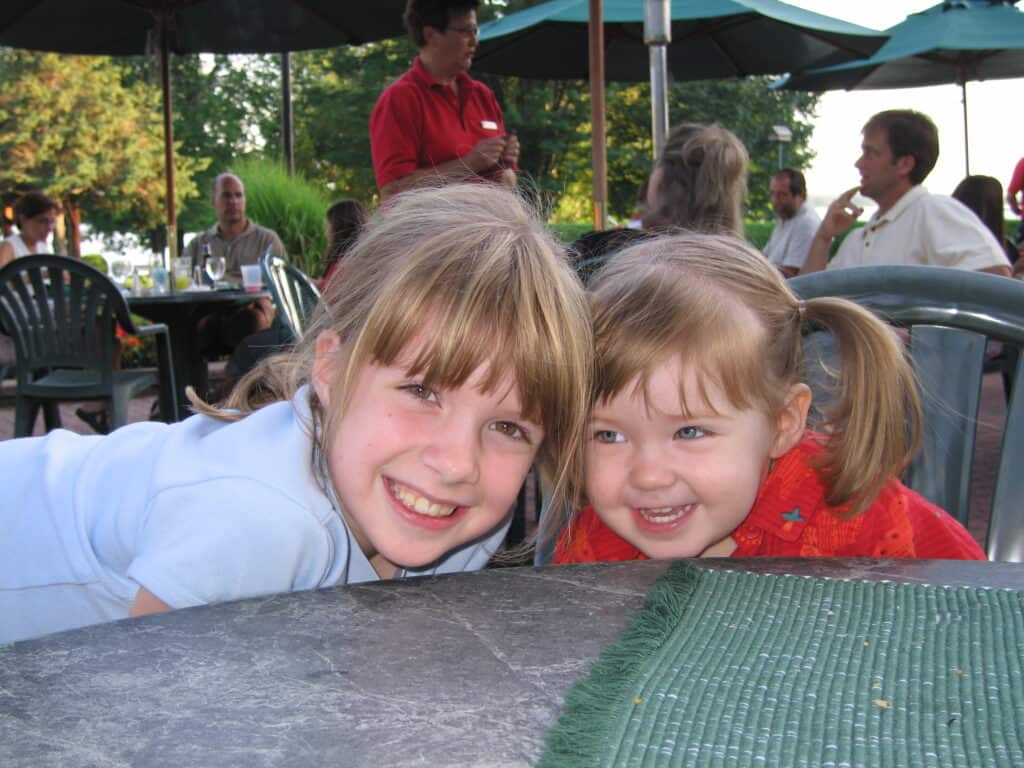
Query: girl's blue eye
690	433
609	436
510	429
420	392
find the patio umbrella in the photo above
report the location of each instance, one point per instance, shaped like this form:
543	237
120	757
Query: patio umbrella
133	27
709	39
952	42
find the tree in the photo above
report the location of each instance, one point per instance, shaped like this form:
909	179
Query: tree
68	125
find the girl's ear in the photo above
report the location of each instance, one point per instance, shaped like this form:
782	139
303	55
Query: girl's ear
326	362
792	420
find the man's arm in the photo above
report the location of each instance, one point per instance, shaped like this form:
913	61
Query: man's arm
841	215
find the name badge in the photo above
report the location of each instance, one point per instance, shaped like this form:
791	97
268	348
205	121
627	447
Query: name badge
488	125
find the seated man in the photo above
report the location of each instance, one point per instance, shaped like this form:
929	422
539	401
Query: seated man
911	226
240	241
796	222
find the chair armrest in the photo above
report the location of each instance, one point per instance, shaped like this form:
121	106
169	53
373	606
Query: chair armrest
168	386
151	329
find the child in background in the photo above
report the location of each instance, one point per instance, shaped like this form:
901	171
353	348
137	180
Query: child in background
343	222
698	444
391	442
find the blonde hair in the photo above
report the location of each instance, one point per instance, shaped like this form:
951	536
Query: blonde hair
703	181
474	267
692	297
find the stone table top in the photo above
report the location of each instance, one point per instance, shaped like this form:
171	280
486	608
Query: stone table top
463	670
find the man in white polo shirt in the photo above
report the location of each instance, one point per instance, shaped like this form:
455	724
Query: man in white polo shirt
911	226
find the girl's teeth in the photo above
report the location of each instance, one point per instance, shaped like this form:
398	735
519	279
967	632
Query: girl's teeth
665	514
418	503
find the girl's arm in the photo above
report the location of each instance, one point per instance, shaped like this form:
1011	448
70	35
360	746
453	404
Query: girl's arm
146	603
6	253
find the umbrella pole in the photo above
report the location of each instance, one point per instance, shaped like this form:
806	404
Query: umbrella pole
657	35
165	77
599	150
967	144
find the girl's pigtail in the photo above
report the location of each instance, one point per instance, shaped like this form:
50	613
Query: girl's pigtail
874	424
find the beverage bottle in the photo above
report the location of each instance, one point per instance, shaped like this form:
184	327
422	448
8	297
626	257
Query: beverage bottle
199	269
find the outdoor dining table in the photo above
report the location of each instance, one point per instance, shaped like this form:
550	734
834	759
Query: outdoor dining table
181	311
462	670
466	670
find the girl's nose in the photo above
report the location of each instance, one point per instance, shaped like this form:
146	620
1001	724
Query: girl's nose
454	456
649	471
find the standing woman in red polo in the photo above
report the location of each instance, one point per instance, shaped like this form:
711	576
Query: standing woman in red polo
436	124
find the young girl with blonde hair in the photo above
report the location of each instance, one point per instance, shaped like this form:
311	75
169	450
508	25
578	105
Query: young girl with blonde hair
698	441
392	442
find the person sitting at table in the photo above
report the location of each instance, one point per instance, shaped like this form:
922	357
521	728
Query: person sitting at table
698	443
391	442
984	196
344	221
699	181
698	184
240	241
35	213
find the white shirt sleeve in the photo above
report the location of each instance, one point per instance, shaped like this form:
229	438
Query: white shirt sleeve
227	539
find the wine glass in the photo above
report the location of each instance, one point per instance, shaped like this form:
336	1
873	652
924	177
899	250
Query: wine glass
120	269
215	266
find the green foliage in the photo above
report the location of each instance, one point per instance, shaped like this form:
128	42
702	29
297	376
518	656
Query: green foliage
567	232
758	232
70	126
291	206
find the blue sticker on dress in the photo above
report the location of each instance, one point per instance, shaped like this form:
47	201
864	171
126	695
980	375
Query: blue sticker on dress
794	516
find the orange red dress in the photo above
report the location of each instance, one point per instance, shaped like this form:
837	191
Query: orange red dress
791	518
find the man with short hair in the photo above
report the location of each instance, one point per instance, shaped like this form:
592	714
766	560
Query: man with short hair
240	241
235	237
436	123
796	222
911	226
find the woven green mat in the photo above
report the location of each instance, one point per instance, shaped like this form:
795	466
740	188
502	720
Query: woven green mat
737	669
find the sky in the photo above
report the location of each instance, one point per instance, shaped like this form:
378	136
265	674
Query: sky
995	135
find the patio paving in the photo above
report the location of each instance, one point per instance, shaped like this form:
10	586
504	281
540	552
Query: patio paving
990	432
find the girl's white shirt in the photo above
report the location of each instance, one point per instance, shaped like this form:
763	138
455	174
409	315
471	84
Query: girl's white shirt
198	512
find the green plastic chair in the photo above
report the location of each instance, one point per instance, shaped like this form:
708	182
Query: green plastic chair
61	314
294	294
950	313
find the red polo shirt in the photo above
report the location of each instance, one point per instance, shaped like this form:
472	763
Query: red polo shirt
791	518
419	123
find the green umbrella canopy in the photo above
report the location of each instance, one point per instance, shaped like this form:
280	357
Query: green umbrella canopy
952	42
710	39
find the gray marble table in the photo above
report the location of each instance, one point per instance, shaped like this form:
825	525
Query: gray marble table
466	670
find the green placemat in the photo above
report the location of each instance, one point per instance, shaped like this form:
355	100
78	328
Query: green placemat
738	669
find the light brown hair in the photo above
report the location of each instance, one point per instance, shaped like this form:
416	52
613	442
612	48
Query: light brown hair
703	181
691	297
474	266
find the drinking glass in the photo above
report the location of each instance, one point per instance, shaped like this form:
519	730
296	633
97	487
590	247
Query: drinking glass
215	266
120	268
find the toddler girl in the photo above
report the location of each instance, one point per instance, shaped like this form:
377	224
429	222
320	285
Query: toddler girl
698	443
391	442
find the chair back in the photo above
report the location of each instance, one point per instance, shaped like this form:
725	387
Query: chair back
294	294
60	313
950	314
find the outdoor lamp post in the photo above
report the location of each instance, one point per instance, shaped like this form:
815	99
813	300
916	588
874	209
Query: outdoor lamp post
657	36
782	135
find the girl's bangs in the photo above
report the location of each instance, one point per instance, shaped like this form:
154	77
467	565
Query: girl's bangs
685	320
492	315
